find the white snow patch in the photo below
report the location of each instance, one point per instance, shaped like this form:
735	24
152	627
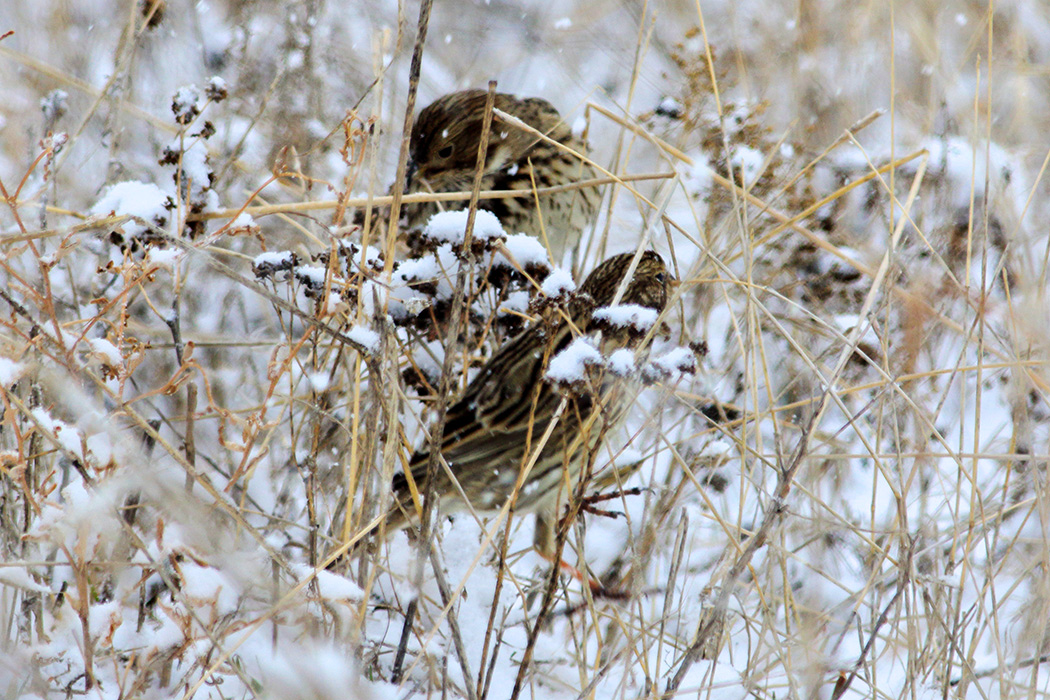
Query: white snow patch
100	447
526	250
133	198
676	362
697	177
106	351
216	84
312	274
365	337
10	371
18	577
318	381
277	258
639	317
312	671
515	301
428	359
103	618
166	258
748	161
622	362
208	585
964	165
570	365
186	101
243	220
196	172
450	226
669	106
66	435
331	586
718	448
558	282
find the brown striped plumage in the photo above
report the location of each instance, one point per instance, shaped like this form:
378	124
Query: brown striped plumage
444	149
490	430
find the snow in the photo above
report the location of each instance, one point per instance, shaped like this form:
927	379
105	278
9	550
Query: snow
186	103
217	85
669	106
558	283
640	318
676	362
570	365
967	165
100	447
366	337
19	578
166	258
210	586
243	220
747	161
621	362
428	358
195	168
311	275
697	178
318	381
438	268
579	126
515	301
313	670
451	226
526	250
107	351
972	407
133	198
10	371
275	259
331	586
66	435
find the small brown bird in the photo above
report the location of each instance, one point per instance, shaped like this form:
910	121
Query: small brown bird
444	152
492	430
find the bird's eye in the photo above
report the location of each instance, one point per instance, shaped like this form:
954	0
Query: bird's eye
445	152
661	277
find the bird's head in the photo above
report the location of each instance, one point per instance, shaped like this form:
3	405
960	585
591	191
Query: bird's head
446	134
650	284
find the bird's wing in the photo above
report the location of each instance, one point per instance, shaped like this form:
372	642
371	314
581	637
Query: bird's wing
491	422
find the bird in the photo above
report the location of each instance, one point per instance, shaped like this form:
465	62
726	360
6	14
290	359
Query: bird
443	152
491	431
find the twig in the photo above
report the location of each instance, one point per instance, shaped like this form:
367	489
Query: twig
391	242
437	431
843	684
406	131
418	197
453	622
